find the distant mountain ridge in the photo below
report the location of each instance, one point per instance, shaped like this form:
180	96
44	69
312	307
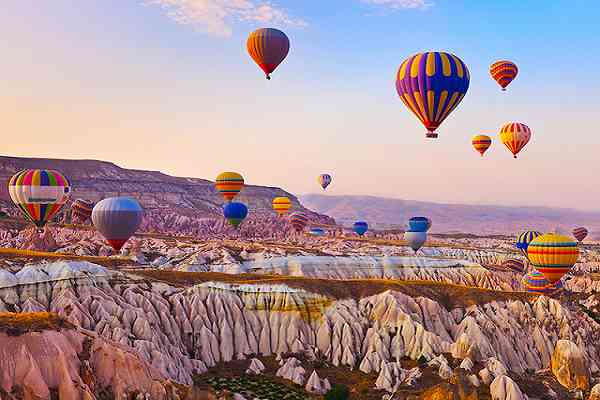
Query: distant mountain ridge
156	191
449	218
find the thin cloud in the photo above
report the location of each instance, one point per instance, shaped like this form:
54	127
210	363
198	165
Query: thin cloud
400	4
217	17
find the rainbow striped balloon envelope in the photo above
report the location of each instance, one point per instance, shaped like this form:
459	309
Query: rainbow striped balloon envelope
39	193
281	205
229	184
504	72
432	85
553	255
535	282
513	264
298	221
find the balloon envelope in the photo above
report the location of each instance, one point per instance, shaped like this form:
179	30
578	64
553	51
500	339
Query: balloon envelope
235	213
268	47
504	72
281	205
117	219
535	282
415	240
298	221
431	85
324	180
317	232
580	233
481	143
515	135
39	193
419	224
524	239
553	255
82	209
513	264
229	184
360	227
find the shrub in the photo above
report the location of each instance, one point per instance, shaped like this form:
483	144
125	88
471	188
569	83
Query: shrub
338	392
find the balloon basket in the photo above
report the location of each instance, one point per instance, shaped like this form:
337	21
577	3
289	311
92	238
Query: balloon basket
431	135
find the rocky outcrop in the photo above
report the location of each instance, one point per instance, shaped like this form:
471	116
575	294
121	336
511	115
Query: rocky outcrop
317	385
256	367
504	388
292	370
569	366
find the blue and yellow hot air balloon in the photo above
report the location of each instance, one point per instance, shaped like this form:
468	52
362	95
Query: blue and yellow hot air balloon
229	184
553	255
360	227
431	85
524	239
235	213
39	193
298	221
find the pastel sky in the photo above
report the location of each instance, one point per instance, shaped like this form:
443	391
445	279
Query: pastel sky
167	85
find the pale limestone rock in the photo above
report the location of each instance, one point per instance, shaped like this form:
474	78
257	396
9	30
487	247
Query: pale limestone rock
256	367
466	364
504	388
569	366
292	370
317	385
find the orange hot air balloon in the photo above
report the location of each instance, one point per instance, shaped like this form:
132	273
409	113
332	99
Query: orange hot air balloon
281	205
229	184
504	72
553	255
268	47
481	143
515	136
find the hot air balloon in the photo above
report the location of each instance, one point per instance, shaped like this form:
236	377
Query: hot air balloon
553	255
431	85
360	227
513	264
39	193
117	219
229	184
415	240
481	143
515	136
535	282
524	239
298	221
504	72
281	205
268	47
580	233
324	180
317	232
419	224
235	213
82	209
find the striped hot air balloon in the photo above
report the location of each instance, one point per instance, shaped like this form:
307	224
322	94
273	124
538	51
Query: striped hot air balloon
553	255
82	209
117	219
298	221
504	72
555	289
229	184
431	85
515	136
360	227
268	47
535	282
39	193
513	264
481	143
235	213
281	205
580	234
324	180
524	239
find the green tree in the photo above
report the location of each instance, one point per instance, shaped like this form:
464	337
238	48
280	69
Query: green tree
338	392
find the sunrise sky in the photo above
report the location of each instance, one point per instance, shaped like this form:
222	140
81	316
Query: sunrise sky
167	85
